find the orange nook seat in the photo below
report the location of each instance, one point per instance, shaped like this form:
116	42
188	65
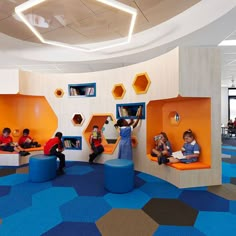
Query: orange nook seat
183	166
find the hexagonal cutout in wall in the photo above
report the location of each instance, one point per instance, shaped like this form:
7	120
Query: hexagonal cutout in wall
118	91
59	93
77	119
110	136
141	83
174	118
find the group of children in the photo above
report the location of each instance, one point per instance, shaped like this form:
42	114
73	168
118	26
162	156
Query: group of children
54	146
7	144
163	149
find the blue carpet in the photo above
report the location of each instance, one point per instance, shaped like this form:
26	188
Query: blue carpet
72	204
74	229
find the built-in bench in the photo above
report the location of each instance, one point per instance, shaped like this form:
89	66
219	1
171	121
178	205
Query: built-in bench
183	166
14	159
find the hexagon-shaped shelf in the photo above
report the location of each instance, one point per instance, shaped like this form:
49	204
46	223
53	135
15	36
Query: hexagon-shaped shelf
118	91
104	122
141	83
59	93
77	119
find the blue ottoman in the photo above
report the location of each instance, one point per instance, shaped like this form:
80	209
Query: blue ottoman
119	175
42	168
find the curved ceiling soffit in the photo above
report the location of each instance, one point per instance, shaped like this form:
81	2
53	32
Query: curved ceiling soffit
171	30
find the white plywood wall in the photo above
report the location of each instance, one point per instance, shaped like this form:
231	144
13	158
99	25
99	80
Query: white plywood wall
9	81
171	74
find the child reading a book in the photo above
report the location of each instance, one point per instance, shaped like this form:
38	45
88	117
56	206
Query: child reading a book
125	145
95	141
7	144
26	141
190	150
162	147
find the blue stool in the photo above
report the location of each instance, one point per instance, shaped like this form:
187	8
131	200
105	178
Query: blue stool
119	175
42	168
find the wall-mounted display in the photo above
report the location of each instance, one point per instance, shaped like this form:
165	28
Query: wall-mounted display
72	142
82	90
130	110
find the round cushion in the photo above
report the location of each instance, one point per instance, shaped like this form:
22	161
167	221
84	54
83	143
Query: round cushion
119	175
42	168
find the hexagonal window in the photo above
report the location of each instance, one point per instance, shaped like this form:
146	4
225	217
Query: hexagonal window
110	135
141	83
118	91
77	119
174	118
59	93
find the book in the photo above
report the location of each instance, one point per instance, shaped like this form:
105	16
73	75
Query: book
178	155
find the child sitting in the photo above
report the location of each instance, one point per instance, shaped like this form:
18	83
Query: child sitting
95	141
26	141
162	147
190	150
6	143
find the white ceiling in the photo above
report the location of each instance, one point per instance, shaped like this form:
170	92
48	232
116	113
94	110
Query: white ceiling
216	22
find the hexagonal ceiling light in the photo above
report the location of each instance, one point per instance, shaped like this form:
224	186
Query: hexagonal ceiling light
112	3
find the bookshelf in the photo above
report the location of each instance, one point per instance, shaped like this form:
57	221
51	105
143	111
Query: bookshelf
130	110
82	90
72	142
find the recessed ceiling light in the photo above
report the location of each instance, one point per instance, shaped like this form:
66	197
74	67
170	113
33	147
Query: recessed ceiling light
112	3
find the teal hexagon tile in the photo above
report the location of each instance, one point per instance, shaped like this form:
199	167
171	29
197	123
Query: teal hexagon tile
14	179
54	197
228	170
225	179
30	221
232	207
177	231
78	170
216	223
84	209
161	190
135	199
20	197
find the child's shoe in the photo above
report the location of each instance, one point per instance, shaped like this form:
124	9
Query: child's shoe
159	160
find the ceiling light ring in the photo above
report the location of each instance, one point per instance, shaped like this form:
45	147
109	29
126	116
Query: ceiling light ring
113	3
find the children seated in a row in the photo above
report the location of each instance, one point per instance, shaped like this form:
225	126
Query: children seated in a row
190	149
7	144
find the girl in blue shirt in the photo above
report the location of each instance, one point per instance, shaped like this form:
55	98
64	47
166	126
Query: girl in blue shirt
190	150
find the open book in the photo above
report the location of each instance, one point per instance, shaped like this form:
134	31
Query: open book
178	155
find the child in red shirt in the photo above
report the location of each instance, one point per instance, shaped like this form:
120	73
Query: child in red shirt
95	141
6	143
54	147
26	141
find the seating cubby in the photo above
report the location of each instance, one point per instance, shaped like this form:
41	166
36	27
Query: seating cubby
82	90
100	120
162	113
130	110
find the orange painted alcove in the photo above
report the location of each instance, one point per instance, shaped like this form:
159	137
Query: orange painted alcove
99	120
194	113
32	112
